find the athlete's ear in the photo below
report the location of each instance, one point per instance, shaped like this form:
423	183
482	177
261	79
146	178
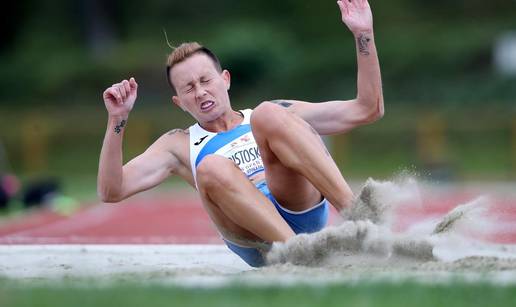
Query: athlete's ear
177	102
227	78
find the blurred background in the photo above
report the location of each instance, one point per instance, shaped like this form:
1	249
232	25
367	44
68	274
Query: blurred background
448	67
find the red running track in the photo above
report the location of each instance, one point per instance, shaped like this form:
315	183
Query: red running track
173	220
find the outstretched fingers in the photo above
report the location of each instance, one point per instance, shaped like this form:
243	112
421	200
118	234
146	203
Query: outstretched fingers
347	5
344	6
364	4
356	14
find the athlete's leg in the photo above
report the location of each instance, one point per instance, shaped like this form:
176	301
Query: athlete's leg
298	166
235	204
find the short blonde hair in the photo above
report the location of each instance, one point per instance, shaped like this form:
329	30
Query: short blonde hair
183	52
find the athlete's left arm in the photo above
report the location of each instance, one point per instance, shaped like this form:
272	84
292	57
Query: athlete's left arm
339	116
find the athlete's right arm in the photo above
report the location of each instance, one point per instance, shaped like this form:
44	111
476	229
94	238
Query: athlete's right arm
117	181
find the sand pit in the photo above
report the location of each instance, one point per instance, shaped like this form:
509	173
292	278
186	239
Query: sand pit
214	265
367	245
114	262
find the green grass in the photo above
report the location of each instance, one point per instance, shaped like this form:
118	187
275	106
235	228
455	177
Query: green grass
361	294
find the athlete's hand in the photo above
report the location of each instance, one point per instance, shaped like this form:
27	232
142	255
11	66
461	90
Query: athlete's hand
120	97
356	14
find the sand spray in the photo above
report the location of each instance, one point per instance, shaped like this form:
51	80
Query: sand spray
366	235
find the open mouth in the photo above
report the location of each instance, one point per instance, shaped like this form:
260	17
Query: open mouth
206	105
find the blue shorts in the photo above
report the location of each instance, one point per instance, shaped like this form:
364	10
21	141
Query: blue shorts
308	221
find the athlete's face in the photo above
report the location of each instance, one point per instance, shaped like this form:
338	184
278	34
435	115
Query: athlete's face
201	90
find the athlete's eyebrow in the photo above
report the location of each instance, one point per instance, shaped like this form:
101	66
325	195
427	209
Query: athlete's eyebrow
187	85
191	83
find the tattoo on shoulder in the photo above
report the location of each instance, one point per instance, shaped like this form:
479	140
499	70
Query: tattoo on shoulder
363	44
174	131
282	103
118	128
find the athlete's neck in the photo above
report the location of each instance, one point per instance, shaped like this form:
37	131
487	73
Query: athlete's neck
225	122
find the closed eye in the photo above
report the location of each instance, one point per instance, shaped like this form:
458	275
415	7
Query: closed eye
205	81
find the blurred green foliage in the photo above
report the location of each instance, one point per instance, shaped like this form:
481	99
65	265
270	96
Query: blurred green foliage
57	57
439	52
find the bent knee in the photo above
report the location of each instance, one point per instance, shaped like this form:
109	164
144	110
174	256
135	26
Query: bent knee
213	170
268	116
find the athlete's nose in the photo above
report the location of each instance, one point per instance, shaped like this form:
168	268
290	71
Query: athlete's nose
200	92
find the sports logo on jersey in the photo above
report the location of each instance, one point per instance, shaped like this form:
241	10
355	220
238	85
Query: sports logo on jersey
200	140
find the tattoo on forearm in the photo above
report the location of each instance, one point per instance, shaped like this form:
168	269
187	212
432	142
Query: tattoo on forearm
174	131
282	103
118	128
363	44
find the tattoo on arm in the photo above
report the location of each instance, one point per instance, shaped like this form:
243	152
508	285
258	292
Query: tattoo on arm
174	131
118	128
282	103
363	44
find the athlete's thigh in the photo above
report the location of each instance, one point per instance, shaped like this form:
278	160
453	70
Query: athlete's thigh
291	189
224	224
235	204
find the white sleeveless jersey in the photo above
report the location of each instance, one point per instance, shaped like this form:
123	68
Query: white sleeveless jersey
237	144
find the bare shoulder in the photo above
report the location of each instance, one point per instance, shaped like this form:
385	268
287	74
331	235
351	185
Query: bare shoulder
178	131
173	140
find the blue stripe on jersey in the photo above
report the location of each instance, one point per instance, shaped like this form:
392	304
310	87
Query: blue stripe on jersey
221	140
